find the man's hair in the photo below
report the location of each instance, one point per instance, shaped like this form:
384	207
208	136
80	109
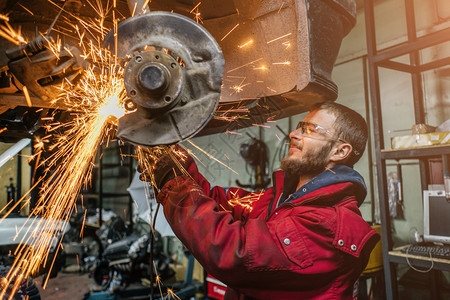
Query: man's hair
349	126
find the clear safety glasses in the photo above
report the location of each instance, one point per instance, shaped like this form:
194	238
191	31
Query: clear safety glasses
310	129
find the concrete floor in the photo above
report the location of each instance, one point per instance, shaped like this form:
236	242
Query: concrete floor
68	286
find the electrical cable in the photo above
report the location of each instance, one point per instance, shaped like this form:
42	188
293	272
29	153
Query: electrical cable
407	252
416	269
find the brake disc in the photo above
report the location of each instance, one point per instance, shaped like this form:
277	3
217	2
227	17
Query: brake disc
173	75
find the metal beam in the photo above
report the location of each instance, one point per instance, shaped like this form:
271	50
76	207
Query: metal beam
434	64
13	150
375	98
420	43
389	64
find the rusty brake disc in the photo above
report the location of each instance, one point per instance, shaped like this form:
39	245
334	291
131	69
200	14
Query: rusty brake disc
173	76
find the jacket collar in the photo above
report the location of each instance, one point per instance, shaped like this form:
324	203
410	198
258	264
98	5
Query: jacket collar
329	179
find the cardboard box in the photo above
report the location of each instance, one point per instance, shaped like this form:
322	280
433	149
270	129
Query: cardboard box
420	140
216	289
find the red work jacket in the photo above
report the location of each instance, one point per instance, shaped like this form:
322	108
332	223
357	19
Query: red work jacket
313	247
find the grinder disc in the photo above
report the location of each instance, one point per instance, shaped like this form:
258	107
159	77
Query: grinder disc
173	75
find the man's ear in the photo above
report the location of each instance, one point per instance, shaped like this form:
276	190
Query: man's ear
340	152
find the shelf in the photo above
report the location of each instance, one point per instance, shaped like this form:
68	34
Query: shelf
416	152
422	262
414	67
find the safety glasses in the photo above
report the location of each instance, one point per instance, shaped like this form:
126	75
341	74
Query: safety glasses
310	129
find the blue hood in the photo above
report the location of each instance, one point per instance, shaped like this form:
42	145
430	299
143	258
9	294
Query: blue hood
335	175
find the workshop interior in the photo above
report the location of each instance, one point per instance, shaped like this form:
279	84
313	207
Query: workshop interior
85	84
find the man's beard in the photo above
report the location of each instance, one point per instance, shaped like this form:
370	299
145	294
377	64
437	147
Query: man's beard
312	162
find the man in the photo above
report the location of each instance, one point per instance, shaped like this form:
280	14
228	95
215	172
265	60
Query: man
304	238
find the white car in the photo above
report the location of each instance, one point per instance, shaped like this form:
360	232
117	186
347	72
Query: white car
35	233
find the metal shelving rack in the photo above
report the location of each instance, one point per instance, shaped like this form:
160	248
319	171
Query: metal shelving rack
384	58
126	160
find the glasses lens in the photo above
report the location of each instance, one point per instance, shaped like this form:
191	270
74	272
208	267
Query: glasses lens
307	128
311	128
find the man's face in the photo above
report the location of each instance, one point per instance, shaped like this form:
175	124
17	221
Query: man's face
310	152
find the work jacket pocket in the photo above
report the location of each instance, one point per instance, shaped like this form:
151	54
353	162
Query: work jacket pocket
293	243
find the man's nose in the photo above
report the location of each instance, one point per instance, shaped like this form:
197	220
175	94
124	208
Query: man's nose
296	134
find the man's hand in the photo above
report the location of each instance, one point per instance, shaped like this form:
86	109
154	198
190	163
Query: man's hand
160	164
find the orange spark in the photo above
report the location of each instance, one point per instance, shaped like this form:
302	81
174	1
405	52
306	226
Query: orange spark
224	208
280	8
280	37
226	118
246	202
144	7
212	157
232	132
31	13
260	68
7	32
148	157
259	125
245	44
230	31
195	7
99	94
83	223
196	13
330	170
287	44
285	63
239	88
27	96
170	293
252	62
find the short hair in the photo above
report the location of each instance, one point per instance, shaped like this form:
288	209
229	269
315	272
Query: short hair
349	126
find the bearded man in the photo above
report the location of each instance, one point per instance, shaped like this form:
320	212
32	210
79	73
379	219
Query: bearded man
303	238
